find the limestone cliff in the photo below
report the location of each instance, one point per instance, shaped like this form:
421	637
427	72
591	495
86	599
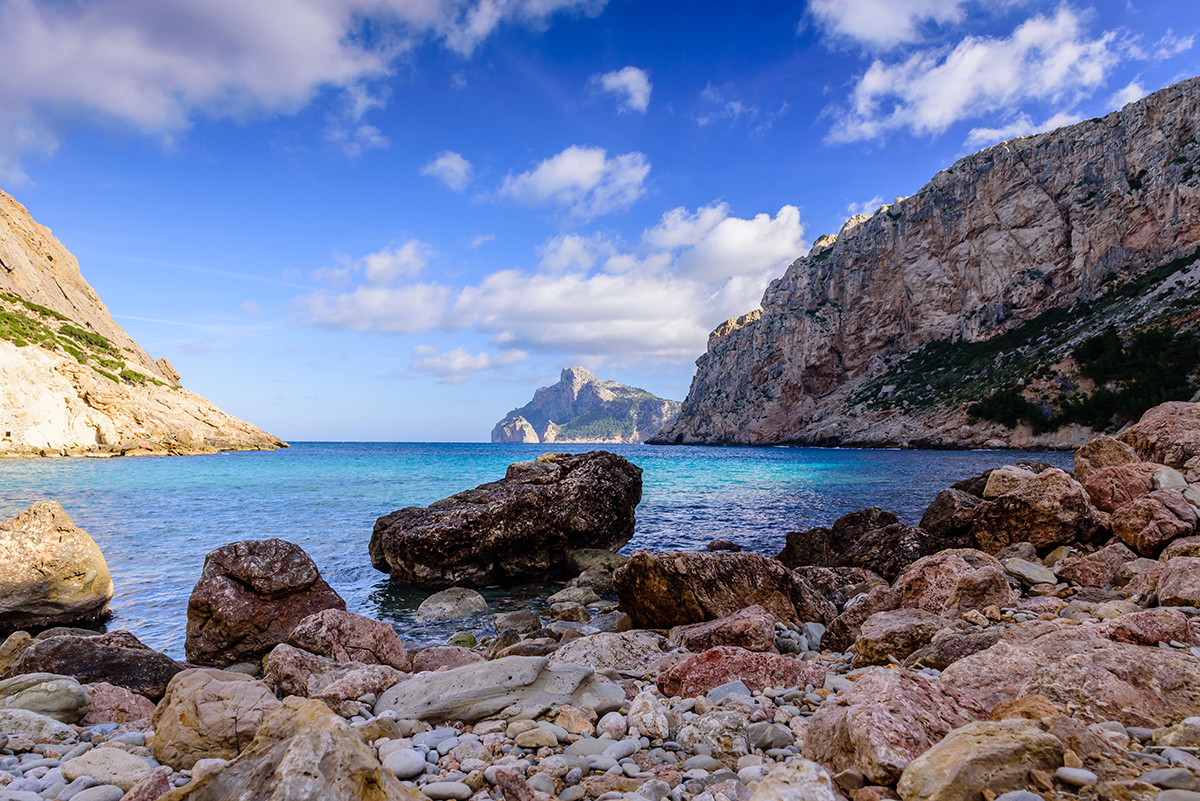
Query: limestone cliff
72	381
985	277
582	408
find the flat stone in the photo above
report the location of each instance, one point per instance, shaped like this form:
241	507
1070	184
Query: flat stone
454	603
102	792
1171	779
108	766
59	697
406	763
440	791
1076	777
716	694
1029	573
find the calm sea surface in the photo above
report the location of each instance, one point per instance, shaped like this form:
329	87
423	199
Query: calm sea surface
155	518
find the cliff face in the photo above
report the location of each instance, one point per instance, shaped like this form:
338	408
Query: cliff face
582	408
72	381
999	239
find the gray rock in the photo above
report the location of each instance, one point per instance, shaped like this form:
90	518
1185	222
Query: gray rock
542	782
405	763
723	731
1029	573
1171	779
1019	795
587	746
454	603
1076	777
511	688
19	795
441	791
102	792
39	727
1177	795
767	735
812	633
716	694
59	697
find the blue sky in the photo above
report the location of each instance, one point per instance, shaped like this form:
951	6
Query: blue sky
393	219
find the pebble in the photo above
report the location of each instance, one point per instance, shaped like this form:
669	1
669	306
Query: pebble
1019	795
440	791
1177	795
1076	777
101	792
1171	779
406	763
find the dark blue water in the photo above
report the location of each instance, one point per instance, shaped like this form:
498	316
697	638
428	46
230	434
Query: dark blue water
155	518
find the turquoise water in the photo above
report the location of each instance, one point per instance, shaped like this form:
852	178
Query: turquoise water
155	518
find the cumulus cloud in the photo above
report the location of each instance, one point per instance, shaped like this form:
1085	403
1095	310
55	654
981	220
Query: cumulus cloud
1021	125
656	299
582	180
631	86
156	66
458	365
1046	59
451	169
407	260
883	23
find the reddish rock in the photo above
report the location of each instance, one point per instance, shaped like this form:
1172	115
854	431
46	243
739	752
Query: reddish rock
117	658
1145	583
1184	546
290	669
1168	434
1150	627
346	637
953	582
1179	584
676	588
948	519
845	628
872	539
698	674
1112	487
752	628
1083	672
251	594
884	722
1100	453
112	704
445	656
1004	480
1048	510
151	788
1097	569
366	680
1147	524
949	648
829	580
895	633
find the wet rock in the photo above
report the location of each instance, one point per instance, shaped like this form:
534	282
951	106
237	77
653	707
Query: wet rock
872	539
948	519
752	628
1168	434
522	526
346	637
796	780
845	628
1098	569
884	721
1113	487
895	634
452	603
1079	668
700	673
301	752
522	621
209	713
581	560
108	766
51	572
514	687
1049	509
1147	524
1099	453
113	704
1179	584
250	596
116	658
953	582
58	697
983	754
629	651
663	590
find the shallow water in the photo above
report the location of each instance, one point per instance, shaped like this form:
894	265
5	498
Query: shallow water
155	518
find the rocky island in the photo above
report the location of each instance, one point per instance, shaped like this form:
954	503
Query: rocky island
1035	636
1021	298
72	381
583	408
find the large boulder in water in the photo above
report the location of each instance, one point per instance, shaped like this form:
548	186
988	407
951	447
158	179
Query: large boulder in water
676	588
117	658
249	597
51	572
520	527
872	539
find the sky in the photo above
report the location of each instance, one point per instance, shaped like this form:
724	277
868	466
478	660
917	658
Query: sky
394	219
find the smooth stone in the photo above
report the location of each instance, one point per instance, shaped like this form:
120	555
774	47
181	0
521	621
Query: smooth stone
406	763
543	783
101	792
587	746
1177	795
19	795
716	694
622	749
1076	777
440	791
1019	795
1171	779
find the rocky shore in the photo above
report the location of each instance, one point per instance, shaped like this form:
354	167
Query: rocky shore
1035	636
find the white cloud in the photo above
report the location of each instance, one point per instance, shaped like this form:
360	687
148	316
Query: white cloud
451	169
721	107
1022	125
1129	93
630	84
385	266
482	239
1171	45
883	23
656	300
251	308
456	366
866	206
1046	59
583	180
156	66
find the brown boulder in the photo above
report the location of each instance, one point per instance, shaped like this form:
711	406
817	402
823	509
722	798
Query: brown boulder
116	658
948	519
1147	524
445	656
207	714
1100	453
950	647
1082	671
698	674
346	637
953	582
895	633
752	628
1184	546
1004	480
522	526
872	539
1098	569
1151	626
250	595
1179	583
676	588
829	581
354	684
844	630
1112	487
1168	434
1048	510
113	704
884	722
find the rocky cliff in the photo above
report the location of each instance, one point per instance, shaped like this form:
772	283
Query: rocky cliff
988	277
582	408
72	381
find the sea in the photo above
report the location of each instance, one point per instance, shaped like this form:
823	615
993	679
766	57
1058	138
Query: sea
155	518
